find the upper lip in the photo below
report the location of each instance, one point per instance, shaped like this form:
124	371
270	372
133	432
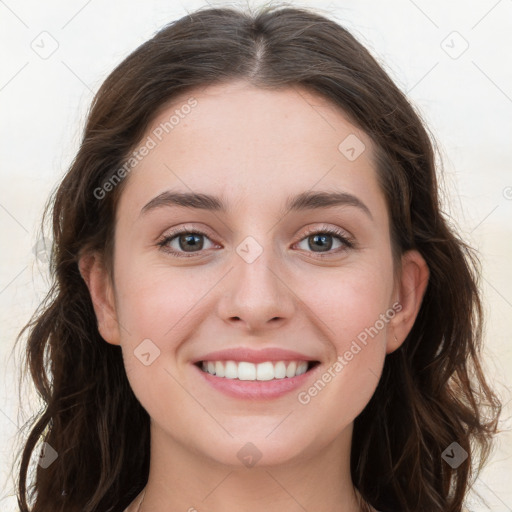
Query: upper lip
254	356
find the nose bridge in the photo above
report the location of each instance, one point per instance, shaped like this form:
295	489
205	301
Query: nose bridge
256	291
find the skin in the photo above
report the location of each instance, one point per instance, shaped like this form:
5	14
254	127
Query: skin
253	148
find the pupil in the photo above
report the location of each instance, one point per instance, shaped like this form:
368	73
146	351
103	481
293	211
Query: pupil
189	240
321	239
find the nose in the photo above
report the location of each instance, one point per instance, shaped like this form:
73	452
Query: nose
256	296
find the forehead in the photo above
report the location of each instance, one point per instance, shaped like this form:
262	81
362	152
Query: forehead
252	143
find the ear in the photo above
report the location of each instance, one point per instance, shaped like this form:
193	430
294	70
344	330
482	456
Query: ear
410	290
97	278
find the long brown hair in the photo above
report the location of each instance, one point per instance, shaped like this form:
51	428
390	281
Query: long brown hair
432	392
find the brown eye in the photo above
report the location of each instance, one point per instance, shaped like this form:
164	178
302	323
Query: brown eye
190	241
325	240
182	242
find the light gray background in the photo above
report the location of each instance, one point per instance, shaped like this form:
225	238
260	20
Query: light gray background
464	95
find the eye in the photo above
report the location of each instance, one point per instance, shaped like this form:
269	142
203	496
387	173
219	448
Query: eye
183	241
322	240
188	242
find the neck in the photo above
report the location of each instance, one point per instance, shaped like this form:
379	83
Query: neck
181	479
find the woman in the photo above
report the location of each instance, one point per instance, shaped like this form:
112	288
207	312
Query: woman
317	350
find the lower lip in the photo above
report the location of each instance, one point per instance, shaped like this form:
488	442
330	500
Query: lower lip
256	389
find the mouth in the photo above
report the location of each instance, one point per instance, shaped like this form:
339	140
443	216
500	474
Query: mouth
248	371
255	375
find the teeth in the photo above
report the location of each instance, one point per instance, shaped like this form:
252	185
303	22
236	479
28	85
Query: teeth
291	369
231	370
280	370
244	370
264	371
219	369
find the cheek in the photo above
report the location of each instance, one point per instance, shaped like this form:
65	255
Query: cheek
352	301
157	308
354	311
154	299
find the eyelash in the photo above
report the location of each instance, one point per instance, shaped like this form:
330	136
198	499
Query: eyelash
338	233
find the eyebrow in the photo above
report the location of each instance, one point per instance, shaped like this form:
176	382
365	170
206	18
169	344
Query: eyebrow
300	202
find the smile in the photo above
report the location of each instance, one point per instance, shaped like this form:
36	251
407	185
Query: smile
256	381
245	370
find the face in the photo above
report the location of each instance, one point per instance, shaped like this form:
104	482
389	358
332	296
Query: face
259	274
